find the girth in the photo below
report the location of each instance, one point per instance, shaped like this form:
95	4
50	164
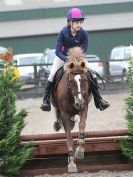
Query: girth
57	78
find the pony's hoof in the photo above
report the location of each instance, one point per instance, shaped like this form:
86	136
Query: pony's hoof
79	154
72	168
45	108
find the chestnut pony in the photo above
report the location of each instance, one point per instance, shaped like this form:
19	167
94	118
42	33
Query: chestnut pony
72	97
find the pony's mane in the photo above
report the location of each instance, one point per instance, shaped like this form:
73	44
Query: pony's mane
76	53
76	62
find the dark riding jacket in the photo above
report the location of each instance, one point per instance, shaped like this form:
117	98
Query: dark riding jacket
65	41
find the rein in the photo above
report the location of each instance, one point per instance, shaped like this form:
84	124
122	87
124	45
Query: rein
100	77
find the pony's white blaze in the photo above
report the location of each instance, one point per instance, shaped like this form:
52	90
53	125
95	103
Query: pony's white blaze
77	78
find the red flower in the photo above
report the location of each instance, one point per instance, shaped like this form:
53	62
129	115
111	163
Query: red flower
8	58
7	55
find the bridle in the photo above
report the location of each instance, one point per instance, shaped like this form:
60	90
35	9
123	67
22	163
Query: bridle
77	92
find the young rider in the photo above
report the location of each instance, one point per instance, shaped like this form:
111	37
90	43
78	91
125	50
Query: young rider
70	36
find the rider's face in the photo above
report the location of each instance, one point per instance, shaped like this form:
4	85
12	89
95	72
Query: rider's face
76	25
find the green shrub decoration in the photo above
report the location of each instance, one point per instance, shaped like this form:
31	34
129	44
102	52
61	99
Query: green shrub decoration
127	143
13	154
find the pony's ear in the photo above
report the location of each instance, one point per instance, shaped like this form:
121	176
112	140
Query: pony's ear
71	65
68	66
83	64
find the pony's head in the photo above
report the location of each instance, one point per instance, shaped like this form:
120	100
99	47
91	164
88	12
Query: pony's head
77	80
78	85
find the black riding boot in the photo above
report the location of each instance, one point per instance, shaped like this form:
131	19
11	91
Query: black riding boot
99	102
46	106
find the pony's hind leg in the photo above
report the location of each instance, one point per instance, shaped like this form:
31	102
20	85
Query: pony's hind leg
57	123
79	153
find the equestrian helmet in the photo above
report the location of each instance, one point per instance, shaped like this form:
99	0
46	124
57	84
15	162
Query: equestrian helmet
75	14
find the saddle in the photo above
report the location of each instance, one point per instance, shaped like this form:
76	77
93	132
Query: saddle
57	78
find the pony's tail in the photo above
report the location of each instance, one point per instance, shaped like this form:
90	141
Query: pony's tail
57	126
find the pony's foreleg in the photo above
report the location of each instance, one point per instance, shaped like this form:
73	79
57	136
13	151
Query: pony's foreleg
79	153
72	168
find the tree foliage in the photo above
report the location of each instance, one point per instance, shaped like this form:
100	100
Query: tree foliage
13	154
127	143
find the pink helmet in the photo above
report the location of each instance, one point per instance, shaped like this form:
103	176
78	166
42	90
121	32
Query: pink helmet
75	14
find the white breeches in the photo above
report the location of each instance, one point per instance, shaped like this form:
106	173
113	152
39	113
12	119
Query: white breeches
58	63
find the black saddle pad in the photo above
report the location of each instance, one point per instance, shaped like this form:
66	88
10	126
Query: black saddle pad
57	77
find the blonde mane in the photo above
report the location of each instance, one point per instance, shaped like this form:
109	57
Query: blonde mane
76	53
76	62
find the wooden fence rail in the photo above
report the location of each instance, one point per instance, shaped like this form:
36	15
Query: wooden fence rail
102	152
